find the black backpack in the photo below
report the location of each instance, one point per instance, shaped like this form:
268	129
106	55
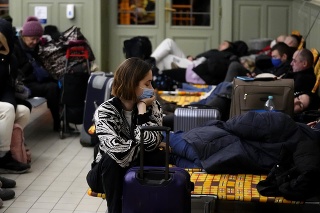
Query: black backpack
138	46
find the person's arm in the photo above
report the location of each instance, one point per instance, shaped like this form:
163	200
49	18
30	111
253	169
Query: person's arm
152	117
109	129
124	150
25	70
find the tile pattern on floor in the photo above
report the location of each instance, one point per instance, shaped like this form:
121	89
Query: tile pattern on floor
56	182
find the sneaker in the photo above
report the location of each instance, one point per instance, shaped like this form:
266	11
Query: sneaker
7	183
6	194
8	165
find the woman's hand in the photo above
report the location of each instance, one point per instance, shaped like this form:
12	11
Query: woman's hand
144	103
148	101
312	124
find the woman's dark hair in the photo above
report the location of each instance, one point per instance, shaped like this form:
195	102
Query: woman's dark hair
127	78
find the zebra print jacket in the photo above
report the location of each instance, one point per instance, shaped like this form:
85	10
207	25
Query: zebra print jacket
117	138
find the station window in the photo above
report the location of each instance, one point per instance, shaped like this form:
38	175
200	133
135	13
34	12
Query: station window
4	7
183	12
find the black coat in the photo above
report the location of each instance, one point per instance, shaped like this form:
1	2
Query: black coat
304	80
214	69
25	68
8	71
249	143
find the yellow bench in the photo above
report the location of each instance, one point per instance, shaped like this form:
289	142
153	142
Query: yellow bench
231	187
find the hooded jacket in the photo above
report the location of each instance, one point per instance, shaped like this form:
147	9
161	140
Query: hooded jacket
8	71
251	143
214	69
303	80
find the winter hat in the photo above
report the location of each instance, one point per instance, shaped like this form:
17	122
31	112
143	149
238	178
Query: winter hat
32	27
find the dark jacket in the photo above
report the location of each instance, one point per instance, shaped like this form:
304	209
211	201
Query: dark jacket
248	143
214	69
25	69
7	66
304	80
282	70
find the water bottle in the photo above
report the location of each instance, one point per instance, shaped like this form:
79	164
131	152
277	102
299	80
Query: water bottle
269	105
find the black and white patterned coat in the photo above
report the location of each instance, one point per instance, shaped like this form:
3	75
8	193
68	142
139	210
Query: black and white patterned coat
117	138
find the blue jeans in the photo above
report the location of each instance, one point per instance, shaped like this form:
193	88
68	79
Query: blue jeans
182	153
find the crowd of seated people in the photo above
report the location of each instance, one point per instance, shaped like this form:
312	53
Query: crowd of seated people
18	82
12	110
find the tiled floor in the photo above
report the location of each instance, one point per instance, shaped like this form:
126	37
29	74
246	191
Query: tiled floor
56	182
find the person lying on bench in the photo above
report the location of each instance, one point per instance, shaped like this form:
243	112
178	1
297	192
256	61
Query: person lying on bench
251	144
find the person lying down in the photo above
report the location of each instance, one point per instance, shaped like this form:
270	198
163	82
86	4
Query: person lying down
269	143
249	143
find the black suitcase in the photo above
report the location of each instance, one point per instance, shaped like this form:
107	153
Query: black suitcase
156	189
252	95
98	91
203	203
186	118
73	96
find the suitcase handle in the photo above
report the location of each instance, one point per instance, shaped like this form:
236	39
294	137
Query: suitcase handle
154	128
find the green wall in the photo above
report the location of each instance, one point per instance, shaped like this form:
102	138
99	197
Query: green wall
89	17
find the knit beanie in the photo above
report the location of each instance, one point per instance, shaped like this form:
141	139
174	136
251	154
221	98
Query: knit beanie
32	27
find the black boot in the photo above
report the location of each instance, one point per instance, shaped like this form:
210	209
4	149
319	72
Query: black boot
7	183
8	165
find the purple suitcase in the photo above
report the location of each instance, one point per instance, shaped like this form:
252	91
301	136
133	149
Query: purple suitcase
156	189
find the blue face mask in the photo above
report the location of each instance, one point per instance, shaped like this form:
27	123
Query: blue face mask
276	62
147	93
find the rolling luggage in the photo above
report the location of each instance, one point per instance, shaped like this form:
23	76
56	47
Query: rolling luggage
252	95
189	117
98	91
203	203
74	85
156	189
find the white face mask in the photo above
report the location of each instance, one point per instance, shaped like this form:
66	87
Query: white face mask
147	93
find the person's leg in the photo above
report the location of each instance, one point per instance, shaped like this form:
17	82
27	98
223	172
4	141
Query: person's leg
7	163
50	91
7	117
167	47
22	115
184	154
167	52
235	69
107	176
171	61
